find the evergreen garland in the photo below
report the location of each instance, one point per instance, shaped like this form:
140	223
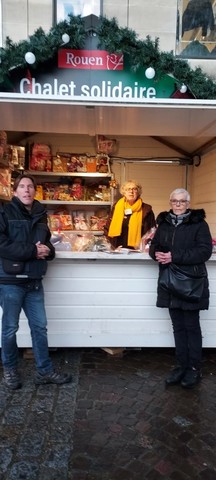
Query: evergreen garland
114	39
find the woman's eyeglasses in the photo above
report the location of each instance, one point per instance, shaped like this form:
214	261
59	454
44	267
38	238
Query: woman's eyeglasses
180	202
131	189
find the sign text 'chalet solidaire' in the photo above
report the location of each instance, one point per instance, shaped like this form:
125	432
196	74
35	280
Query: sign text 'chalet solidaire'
92	74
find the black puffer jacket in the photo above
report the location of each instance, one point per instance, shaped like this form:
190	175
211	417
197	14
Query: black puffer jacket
19	232
190	243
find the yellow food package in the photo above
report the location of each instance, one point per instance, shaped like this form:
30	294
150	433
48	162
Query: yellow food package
39	193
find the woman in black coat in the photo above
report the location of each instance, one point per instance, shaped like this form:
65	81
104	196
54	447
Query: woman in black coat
183	238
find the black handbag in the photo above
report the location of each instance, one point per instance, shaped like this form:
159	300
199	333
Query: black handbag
12	266
185	282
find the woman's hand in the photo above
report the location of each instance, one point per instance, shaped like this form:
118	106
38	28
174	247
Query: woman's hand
164	258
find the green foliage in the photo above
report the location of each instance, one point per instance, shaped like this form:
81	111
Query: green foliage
114	39
44	46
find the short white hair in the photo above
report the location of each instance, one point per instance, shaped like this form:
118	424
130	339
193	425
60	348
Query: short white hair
177	191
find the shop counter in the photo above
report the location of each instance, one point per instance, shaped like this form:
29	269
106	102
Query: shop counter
98	299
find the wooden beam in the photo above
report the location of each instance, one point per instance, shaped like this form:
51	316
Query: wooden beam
172	146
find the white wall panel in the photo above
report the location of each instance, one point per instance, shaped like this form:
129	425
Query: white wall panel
121	313
203	189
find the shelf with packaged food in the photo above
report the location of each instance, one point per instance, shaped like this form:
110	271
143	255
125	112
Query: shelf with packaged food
76	202
39	173
78	205
71	188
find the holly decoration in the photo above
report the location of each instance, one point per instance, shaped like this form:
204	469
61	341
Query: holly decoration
114	39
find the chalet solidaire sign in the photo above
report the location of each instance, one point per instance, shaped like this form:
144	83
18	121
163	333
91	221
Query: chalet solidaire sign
88	75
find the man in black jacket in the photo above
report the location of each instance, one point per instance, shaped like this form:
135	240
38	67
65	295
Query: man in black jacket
25	248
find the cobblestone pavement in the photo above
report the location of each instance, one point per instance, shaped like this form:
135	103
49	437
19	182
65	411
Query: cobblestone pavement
116	421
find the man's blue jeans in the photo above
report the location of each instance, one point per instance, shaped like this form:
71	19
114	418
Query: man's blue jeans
30	298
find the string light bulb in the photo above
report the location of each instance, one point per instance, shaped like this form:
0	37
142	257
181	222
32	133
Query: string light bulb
183	88
30	58
65	38
150	73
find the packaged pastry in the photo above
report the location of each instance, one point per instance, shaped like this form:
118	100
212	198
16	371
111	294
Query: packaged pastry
5	183
81	166
91	164
60	222
84	242
40	157
80	221
94	223
16	156
60	163
39	193
103	163
76	164
62	192
106	145
3	144
77	189
48	190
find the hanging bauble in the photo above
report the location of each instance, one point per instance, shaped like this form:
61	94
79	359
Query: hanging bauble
183	88
30	58
65	38
150	73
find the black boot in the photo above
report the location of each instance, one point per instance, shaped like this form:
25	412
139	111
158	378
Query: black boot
191	378
175	376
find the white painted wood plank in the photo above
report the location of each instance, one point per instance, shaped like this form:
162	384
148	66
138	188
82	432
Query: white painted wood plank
102	285
110	304
53	302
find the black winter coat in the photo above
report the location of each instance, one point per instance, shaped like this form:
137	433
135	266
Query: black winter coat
148	221
20	230
190	243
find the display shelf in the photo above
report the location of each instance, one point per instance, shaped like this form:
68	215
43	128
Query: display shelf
67	209
79	232
69	174
60	178
76	203
97	233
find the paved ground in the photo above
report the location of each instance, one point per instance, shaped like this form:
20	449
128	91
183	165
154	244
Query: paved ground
116	421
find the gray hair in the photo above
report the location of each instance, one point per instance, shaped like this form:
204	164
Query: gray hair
137	185
177	191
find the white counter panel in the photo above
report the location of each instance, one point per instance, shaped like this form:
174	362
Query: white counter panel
104	300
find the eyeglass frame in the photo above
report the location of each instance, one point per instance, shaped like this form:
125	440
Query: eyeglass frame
181	202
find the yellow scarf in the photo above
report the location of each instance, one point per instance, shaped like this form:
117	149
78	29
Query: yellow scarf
135	222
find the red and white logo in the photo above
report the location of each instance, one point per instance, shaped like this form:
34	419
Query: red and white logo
90	60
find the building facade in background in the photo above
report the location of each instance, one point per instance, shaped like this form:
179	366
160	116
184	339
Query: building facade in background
196	28
187	27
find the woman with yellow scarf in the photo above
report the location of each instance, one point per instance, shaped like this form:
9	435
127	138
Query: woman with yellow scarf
130	218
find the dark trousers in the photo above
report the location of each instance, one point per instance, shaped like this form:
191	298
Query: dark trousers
188	337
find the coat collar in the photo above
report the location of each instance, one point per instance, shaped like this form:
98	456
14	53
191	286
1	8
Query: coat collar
195	216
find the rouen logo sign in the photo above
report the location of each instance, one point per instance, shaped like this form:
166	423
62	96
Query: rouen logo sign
90	59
